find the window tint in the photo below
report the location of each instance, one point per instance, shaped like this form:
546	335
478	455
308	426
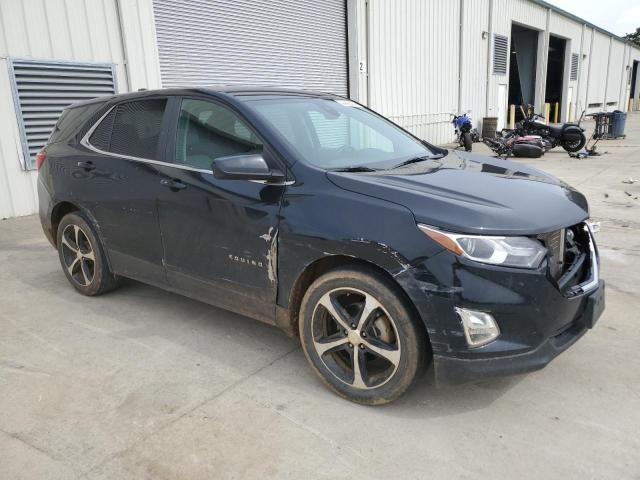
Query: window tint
132	129
101	136
207	131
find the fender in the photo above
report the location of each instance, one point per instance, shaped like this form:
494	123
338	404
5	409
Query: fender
334	223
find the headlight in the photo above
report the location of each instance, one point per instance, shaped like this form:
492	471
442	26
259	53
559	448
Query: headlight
521	252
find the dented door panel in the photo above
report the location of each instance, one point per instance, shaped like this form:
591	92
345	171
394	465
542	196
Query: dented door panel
220	234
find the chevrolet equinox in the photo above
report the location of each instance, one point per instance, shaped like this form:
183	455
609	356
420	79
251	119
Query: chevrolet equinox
308	211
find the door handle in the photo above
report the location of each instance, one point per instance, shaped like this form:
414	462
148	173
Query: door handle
173	184
86	165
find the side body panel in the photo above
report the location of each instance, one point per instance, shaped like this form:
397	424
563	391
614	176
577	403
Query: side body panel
120	196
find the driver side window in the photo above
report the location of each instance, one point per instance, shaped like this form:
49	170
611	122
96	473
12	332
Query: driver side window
207	131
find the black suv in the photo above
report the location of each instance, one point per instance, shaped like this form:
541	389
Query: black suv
313	213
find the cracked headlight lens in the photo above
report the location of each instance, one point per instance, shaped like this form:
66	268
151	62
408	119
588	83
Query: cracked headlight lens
523	252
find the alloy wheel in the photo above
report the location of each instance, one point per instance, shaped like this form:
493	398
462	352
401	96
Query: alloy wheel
356	338
78	255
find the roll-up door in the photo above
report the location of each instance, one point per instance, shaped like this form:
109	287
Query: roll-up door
289	43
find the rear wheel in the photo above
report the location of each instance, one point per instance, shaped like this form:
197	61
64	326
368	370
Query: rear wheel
467	141
360	336
82	256
574	145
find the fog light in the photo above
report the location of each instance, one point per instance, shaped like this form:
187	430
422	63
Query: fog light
480	328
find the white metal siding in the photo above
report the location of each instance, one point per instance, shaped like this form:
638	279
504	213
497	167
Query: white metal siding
259	42
598	71
65	30
617	62
584	71
413	64
475	21
523	12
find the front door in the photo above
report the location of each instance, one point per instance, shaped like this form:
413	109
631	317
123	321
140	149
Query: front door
220	236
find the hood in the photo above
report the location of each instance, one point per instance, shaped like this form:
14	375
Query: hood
469	193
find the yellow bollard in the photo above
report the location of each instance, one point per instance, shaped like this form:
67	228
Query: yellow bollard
512	117
630	109
547	111
555	113
571	117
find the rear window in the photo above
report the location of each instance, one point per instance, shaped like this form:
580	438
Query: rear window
72	120
131	129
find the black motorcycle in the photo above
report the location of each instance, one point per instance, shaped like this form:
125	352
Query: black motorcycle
465	133
569	136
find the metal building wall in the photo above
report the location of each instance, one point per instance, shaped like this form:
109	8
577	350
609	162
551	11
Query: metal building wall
634	57
413	52
65	30
617	62
585	68
473	84
571	31
506	12
598	68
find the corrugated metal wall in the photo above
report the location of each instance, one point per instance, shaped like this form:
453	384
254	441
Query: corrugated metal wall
571	31
413	61
413	64
68	30
475	21
617	62
256	42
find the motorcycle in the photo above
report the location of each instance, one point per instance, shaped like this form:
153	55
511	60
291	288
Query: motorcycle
465	133
509	143
569	136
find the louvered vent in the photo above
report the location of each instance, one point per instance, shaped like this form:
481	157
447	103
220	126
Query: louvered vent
574	66
500	54
43	89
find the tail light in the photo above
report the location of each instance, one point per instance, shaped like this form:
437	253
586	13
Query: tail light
41	156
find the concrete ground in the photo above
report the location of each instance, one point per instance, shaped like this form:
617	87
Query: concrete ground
141	383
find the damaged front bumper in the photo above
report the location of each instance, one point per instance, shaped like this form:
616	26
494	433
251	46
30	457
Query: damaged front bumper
538	320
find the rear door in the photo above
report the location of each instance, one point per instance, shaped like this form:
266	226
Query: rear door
220	236
117	180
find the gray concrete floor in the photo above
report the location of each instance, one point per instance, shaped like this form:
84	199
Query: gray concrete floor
141	383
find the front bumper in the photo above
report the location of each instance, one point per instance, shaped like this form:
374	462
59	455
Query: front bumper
537	319
451	370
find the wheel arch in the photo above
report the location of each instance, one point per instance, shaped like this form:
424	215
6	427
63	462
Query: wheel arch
64	208
57	214
287	318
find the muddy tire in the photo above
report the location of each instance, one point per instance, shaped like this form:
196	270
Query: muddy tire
82	256
361	335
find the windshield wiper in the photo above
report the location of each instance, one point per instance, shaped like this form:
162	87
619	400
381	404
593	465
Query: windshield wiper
354	168
418	159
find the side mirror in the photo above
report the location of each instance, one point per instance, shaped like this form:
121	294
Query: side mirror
246	167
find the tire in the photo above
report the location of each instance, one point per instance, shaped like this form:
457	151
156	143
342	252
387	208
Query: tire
575	146
82	256
390	344
467	141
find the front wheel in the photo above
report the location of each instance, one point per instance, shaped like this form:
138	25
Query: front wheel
360	336
574	145
467	141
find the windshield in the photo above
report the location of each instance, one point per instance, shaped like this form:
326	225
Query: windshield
336	134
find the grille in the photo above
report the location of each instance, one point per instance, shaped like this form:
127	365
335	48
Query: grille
500	54
574	66
43	89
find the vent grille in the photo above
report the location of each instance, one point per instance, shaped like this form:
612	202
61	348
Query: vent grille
500	54
574	66
42	90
